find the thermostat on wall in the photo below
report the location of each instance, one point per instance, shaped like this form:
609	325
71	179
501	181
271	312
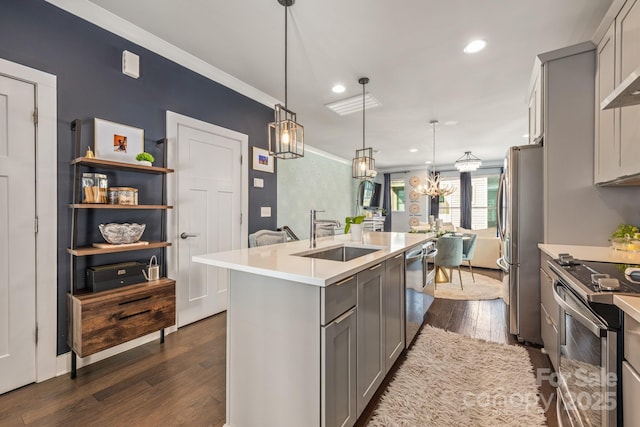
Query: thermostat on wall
130	64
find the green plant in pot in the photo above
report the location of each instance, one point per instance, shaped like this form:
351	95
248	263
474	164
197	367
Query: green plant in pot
352	220
145	158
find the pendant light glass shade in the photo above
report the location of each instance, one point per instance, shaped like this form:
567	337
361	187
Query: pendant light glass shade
432	186
363	165
468	162
286	135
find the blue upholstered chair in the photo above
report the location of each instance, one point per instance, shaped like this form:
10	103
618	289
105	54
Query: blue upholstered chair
449	255
267	237
468	246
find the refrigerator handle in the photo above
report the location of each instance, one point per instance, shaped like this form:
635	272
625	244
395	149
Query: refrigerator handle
500	206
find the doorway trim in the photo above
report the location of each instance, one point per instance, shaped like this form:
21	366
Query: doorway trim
46	211
174	120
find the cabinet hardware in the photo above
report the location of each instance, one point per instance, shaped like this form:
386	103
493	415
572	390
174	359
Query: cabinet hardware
375	266
342	282
134	300
128	316
344	316
398	256
187	235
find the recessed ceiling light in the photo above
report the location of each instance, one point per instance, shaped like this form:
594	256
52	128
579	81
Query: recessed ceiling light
338	89
475	46
526	135
450	123
413	150
428	162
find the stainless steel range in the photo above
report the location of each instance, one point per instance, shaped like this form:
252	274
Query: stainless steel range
590	340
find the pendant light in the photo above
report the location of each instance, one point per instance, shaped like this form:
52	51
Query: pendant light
468	162
363	165
432	185
286	135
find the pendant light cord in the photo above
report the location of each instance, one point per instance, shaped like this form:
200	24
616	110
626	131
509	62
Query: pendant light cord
363	95
285	55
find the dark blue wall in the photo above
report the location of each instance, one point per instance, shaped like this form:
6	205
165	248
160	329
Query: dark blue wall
87	62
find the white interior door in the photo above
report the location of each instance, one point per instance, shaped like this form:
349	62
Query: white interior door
17	236
209	214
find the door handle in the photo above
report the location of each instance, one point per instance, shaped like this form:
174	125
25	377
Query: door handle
187	235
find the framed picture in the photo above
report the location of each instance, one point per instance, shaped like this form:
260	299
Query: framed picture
262	161
117	142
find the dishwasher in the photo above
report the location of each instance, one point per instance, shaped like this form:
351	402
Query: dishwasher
418	275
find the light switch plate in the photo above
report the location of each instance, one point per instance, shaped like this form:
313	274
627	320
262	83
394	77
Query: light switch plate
265	211
130	64
258	182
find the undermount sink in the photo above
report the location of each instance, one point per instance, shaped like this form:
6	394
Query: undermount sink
341	253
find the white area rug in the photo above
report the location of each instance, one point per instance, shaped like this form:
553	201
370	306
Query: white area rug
448	379
484	287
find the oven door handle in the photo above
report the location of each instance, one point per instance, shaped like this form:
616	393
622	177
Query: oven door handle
599	330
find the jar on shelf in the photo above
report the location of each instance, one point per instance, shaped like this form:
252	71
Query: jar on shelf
94	188
123	196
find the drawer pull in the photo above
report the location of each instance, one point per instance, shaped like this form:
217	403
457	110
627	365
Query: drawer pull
135	300
342	282
398	256
375	266
121	317
344	316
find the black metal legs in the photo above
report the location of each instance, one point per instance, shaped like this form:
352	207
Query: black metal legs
73	364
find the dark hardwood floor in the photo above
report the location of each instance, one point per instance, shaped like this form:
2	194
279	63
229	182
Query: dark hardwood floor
183	381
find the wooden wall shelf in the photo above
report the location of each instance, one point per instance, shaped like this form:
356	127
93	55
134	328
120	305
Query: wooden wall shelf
109	164
107	206
97	251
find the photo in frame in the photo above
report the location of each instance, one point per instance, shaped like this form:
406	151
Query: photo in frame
262	161
117	142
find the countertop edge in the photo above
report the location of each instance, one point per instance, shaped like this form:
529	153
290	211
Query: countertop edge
630	305
591	253
343	270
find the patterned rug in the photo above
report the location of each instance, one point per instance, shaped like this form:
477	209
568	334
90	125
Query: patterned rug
448	379
483	288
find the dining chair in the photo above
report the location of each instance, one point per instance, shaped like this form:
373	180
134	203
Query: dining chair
267	237
468	246
449	255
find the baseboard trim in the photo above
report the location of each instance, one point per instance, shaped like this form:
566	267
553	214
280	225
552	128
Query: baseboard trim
63	361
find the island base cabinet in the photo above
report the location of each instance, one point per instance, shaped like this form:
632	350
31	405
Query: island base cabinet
394	314
339	371
370	333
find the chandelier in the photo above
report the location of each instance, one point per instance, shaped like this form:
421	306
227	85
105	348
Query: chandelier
432	186
363	165
286	135
468	162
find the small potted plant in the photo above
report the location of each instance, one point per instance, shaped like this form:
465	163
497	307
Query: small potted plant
354	224
145	158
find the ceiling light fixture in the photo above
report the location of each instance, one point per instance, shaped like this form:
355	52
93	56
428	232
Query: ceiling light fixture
413	150
475	46
468	162
432	186
363	165
286	135
338	89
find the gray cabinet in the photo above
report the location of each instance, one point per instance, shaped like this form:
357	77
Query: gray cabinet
607	148
549	312
339	371
393	304
370	333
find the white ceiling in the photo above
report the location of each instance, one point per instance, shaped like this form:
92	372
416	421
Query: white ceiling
411	51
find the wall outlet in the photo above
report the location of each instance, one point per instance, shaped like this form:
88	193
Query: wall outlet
265	211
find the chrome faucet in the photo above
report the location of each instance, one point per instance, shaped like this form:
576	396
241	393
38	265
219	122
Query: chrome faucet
313	226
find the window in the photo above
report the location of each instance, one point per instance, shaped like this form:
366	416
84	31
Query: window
484	191
397	195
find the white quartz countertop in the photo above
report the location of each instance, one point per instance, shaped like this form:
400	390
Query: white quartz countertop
592	253
628	304
280	261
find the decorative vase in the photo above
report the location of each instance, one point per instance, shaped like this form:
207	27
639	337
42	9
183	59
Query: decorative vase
356	232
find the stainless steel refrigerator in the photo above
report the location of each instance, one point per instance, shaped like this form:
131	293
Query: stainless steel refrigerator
520	226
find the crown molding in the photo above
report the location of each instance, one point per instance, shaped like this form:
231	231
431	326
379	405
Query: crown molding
106	20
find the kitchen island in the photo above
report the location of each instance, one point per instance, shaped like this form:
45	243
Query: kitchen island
310	340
